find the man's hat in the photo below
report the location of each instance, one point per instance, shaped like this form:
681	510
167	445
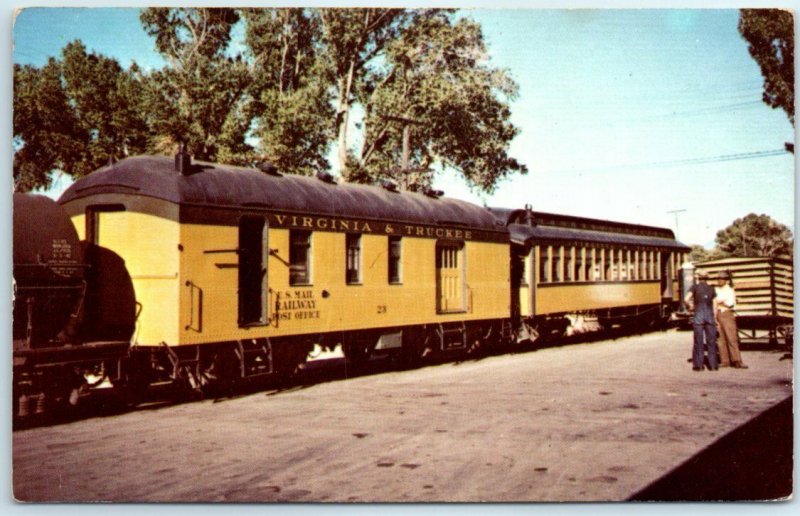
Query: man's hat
702	274
724	275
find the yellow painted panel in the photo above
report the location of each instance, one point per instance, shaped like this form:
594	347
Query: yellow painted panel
79	221
328	303
525	301
148	244
577	297
532	273
488	280
209	284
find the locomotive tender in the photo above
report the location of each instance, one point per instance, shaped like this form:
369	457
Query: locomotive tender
239	272
64	328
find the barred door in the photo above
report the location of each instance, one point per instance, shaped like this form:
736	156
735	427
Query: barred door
450	277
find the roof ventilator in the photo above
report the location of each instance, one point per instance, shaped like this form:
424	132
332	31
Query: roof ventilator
183	161
529	219
326	176
390	185
268	168
430	192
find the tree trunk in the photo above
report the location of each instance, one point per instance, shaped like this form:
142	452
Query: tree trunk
406	151
344	114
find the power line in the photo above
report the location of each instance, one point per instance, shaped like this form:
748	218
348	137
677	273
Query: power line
689	161
717	159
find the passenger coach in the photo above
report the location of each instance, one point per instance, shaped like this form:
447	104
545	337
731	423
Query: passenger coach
239	271
567	270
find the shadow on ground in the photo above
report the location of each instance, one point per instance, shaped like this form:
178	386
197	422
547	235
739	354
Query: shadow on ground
753	462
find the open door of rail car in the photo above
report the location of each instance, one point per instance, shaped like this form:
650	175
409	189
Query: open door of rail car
667	285
253	251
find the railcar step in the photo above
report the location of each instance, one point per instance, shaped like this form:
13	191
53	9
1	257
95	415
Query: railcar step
453	337
255	357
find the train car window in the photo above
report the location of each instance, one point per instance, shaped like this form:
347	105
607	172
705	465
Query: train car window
635	265
671	258
672	267
395	250
608	271
522	263
656	265
544	264
643	265
598	264
252	271
659	274
588	265
577	275
631	266
623	265
299	257
569	261
353	267
615	265
651	265
555	272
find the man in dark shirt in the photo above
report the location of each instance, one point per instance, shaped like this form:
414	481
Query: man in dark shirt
700	298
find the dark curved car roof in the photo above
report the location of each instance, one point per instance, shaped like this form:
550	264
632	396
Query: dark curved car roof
526	226
524	235
215	185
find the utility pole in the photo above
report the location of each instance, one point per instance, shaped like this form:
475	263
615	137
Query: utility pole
676	212
406	155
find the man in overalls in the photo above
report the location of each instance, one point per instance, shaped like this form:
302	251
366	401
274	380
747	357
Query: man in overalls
700	298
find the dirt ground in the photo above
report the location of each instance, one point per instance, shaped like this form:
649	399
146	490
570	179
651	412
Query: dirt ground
586	422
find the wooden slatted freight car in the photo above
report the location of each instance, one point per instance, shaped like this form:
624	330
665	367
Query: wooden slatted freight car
764	296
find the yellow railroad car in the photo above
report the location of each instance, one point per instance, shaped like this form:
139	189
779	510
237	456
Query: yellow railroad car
239	271
572	274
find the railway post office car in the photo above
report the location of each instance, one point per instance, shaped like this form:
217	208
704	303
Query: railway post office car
240	270
572	273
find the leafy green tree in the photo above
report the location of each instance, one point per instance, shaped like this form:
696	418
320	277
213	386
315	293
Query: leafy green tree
438	100
701	254
428	96
197	99
755	235
291	94
108	111
353	39
73	115
421	77
46	133
770	37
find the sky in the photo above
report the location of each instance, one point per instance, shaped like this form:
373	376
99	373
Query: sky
642	115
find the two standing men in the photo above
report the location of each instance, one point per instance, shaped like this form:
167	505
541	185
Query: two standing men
713	307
